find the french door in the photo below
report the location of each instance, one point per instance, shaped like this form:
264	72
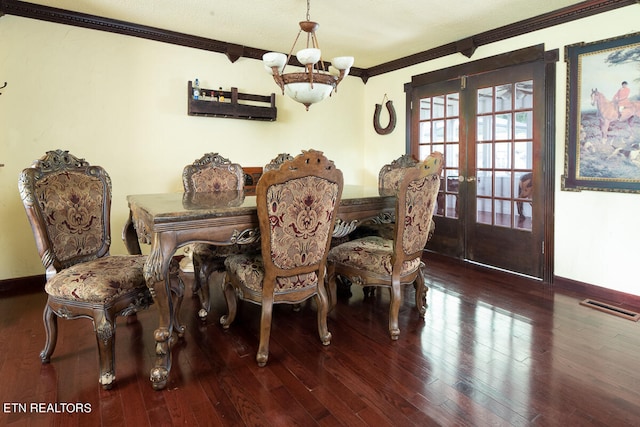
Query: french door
490	127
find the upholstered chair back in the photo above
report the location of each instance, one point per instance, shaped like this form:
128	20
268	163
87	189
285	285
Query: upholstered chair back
68	205
390	175
212	173
296	210
416	205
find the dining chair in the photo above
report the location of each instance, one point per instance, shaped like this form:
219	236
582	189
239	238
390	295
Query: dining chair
68	205
277	161
211	173
389	179
296	206
375	261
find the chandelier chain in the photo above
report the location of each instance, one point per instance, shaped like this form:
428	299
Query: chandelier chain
308	8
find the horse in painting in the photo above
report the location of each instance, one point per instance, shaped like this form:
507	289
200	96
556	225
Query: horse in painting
608	111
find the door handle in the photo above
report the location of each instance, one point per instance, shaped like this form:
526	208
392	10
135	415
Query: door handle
468	179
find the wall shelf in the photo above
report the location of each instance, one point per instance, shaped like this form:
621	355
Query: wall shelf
231	107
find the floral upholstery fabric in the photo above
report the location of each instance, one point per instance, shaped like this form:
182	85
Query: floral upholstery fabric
72	208
371	254
214	179
391	180
418	213
100	280
300	214
249	268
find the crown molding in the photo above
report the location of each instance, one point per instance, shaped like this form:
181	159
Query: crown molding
233	51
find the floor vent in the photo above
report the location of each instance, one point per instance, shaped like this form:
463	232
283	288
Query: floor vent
611	309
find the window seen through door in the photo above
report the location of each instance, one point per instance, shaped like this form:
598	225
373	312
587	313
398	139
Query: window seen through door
504	155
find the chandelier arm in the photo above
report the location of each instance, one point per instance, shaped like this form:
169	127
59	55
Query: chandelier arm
316	44
278	78
293	46
340	77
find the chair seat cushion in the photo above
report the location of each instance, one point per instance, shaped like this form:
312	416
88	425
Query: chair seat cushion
249	269
372	254
100	280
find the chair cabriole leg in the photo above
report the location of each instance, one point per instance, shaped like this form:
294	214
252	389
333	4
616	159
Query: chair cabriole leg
50	320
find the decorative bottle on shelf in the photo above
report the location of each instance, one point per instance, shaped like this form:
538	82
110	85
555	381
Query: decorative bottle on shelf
220	94
196	89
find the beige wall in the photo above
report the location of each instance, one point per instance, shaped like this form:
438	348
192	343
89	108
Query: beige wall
121	102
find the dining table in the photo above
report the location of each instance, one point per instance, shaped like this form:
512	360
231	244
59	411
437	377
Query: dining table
169	221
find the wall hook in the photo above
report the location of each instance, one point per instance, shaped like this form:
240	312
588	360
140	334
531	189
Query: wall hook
3	86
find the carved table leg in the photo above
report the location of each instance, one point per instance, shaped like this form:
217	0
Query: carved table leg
157	281
177	294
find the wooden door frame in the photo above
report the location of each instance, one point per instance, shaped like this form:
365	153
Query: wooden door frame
490	64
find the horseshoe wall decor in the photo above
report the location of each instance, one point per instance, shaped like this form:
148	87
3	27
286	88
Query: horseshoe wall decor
392	118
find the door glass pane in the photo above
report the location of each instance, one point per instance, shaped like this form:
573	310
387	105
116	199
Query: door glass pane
484	128
452	206
452	181
484	159
453	126
453	105
503	127
523	155
438	107
485	98
483	183
502	213
524	125
483	210
425	150
504	95
503	155
438	131
425	133
524	95
523	184
452	157
502	184
522	215
425	109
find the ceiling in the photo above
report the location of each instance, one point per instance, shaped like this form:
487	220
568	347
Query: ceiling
373	31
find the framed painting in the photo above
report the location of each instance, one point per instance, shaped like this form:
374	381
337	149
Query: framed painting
603	115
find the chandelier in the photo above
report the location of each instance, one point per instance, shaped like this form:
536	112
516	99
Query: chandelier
315	83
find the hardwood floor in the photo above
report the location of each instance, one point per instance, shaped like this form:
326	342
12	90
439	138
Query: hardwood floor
493	349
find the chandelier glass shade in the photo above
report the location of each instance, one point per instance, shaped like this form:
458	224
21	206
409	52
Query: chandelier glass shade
314	82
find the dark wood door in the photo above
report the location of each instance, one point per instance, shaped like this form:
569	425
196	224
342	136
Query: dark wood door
489	128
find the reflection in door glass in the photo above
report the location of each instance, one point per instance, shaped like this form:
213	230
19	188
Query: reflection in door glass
440	131
504	157
503	97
